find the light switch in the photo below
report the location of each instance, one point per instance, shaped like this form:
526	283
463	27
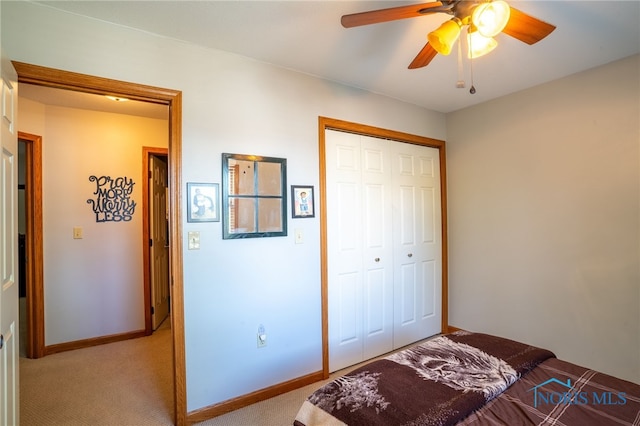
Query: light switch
77	232
299	236
194	240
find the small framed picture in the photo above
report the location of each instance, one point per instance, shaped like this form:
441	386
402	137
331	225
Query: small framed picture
202	204
302	201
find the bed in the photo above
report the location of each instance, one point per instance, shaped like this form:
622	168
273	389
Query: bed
466	378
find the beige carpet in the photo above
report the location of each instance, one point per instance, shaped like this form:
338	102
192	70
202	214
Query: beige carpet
127	384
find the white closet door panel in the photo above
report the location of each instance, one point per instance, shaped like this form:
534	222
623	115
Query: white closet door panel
345	293
347	196
344	238
349	294
377	247
429	169
377	314
406	216
428	201
408	314
429	286
417	229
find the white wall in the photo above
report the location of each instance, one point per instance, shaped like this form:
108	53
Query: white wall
230	104
544	217
92	286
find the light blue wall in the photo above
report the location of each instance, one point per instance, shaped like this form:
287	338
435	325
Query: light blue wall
230	104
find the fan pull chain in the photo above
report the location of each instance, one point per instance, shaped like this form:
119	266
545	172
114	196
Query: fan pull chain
473	88
460	84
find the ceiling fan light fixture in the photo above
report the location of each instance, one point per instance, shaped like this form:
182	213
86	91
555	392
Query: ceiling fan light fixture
480	45
443	38
490	18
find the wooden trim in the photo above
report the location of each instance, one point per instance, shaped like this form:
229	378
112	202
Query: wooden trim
95	341
324	262
34	244
175	249
68	80
147	151
49	77
362	129
207	413
445	238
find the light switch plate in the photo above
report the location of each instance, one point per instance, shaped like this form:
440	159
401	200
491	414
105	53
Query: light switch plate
194	240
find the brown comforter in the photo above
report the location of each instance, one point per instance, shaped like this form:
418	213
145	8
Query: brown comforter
439	382
560	393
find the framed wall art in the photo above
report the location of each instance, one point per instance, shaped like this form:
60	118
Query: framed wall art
302	204
203	204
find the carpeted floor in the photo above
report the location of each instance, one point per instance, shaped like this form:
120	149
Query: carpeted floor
127	384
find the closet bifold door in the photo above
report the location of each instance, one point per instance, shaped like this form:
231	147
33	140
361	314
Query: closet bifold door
383	286
360	251
417	246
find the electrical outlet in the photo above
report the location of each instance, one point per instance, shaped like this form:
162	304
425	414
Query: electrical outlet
261	337
262	340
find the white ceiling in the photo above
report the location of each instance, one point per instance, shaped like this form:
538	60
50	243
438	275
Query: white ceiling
79	100
307	36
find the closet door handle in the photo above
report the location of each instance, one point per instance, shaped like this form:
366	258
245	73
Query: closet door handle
410	255
1	340
377	259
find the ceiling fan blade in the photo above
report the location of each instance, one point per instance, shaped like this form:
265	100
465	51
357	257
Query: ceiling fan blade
390	14
526	28
424	57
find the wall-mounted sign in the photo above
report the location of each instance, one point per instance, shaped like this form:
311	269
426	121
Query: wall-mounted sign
113	202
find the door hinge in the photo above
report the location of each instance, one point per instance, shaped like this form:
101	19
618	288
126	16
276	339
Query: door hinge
150	242
153	310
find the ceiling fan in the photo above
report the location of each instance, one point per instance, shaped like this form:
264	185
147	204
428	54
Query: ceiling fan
484	20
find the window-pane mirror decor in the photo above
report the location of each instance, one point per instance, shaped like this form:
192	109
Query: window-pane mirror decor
254	199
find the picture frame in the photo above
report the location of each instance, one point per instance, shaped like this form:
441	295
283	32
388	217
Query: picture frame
203	203
302	201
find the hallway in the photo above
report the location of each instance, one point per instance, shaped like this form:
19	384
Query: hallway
122	383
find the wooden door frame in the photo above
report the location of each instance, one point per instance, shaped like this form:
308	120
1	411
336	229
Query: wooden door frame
49	77
147	152
33	244
325	123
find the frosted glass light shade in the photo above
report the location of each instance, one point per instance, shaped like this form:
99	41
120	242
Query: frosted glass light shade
480	45
491	18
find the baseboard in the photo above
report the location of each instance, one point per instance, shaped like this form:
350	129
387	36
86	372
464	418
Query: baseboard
215	410
451	329
94	341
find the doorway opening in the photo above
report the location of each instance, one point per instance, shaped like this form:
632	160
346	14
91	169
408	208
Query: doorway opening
155	240
48	77
30	239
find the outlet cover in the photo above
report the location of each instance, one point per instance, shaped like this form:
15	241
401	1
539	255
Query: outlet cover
262	340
